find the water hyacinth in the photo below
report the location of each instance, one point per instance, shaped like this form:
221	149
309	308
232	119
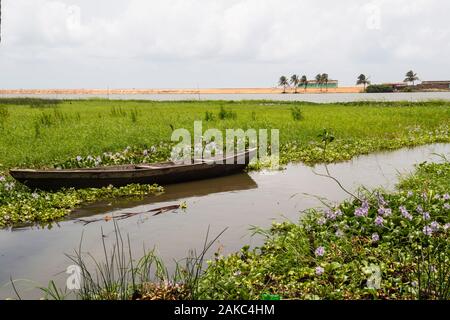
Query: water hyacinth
330	215
446	226
446	196
321	221
9	186
379	221
419	209
405	213
427	230
375	237
320	251
435	226
426	216
384	211
410	194
446	206
2	179
319	271
362	211
339	233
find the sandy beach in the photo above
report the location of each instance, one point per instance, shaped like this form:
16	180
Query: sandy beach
178	91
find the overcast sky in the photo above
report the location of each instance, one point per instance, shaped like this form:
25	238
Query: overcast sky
218	43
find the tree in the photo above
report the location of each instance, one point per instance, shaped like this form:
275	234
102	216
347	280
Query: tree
411	77
362	79
295	80
319	81
304	81
284	83
325	80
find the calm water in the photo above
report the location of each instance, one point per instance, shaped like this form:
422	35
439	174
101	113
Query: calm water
236	202
320	98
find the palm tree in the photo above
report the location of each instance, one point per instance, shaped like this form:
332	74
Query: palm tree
325	80
304	81
284	83
411	77
362	79
295	80
319	81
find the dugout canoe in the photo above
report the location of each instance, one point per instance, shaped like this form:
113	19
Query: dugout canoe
160	173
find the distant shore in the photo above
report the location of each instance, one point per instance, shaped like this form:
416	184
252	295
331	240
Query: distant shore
178	91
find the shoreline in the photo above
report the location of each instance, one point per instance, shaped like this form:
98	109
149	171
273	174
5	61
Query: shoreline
179	91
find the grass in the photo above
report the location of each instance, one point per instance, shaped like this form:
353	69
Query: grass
42	136
86	133
333	254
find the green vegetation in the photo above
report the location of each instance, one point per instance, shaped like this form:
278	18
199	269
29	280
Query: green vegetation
362	79
94	127
86	133
379	88
411	76
20	206
332	254
379	246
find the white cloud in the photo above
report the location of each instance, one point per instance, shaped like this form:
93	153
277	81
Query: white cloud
173	43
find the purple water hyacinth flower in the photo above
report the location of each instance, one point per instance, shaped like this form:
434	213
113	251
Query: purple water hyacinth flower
437	197
405	213
379	221
375	237
381	200
362	211
446	196
426	216
381	211
2	179
435	226
446	206
446	226
320	251
330	215
387	212
145	152
427	230
319	271
79	158
419	209
410	194
321	221
424	196
338	213
365	204
35	195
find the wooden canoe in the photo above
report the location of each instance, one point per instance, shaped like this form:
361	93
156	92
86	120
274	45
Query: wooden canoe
159	173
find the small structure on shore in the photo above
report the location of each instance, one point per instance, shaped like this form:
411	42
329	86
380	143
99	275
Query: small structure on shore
396	86
442	85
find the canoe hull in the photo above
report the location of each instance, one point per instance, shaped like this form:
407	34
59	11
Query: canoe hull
123	175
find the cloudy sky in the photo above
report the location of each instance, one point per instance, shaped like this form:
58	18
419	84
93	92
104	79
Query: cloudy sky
218	43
